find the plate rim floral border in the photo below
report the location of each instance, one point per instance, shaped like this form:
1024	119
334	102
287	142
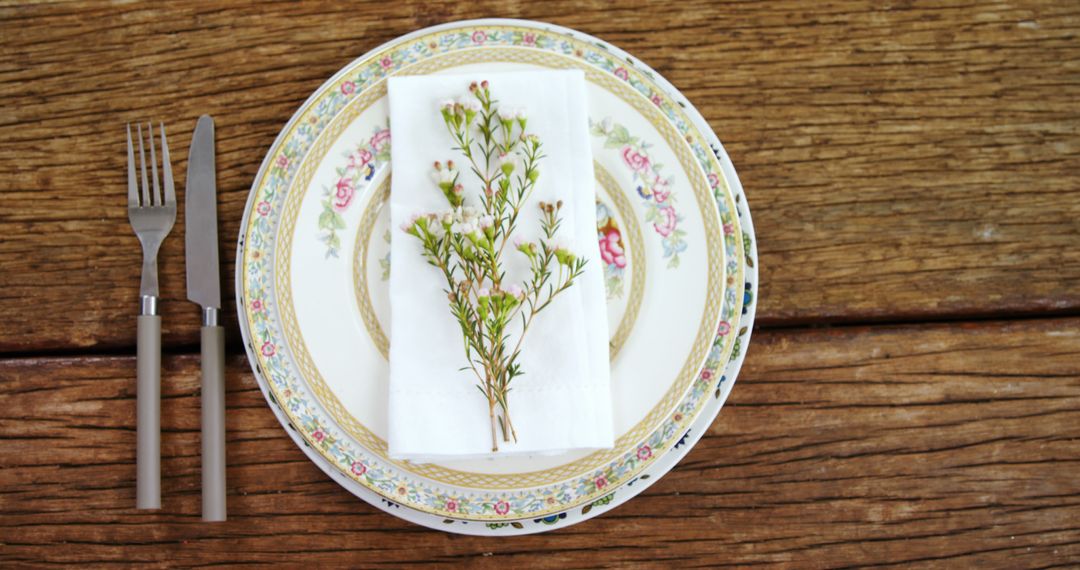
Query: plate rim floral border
489	503
733	360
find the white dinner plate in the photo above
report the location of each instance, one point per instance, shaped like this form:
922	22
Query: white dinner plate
677	247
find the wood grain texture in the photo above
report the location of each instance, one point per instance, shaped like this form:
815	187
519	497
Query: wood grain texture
945	445
906	161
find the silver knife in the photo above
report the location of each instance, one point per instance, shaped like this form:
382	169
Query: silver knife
204	288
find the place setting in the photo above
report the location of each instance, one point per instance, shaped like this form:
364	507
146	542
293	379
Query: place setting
494	277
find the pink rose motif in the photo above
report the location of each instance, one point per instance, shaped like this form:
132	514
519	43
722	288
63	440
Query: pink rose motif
479	37
268	349
358	468
621	73
257	306
359	159
656	100
635	160
451	506
263	208
706	375
644	452
343	194
347	88
729	229
386	62
529	39
379	139
660	191
319	435
601	482
502	507
714	180
723	329
610	250
283	161
667	223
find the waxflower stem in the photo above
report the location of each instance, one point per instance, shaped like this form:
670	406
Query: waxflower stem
467	245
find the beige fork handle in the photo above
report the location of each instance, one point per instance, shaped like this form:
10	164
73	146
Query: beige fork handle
148	408
213	423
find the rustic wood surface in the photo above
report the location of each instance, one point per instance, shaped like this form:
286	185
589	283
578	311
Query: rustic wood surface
942	444
921	161
905	162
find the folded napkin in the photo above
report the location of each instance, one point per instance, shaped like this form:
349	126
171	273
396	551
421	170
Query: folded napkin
562	401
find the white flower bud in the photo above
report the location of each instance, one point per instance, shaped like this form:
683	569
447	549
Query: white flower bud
443	176
464	228
409	222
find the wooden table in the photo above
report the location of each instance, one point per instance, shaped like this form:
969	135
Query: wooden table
912	394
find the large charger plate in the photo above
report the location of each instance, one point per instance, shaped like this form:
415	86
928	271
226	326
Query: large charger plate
677	253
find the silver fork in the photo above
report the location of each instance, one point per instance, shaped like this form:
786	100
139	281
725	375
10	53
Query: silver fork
152	218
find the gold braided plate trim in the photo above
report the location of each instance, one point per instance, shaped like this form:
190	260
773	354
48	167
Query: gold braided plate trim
637	257
363	296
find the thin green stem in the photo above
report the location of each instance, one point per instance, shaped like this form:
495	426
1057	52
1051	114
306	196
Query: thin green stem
484	138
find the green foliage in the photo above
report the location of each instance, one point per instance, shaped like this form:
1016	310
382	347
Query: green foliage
467	245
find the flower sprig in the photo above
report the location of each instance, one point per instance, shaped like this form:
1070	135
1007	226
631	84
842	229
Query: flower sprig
467	243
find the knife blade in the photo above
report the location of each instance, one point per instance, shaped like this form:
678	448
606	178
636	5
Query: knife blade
204	288
200	207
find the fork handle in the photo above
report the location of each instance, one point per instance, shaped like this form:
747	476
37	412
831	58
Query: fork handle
213	423
148	395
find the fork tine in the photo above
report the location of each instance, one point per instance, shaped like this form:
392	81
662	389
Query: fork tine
166	168
142	161
153	163
133	183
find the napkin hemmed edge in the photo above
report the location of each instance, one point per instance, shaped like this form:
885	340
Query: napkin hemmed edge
508	454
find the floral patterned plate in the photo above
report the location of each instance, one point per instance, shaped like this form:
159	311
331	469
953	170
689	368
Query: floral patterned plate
676	243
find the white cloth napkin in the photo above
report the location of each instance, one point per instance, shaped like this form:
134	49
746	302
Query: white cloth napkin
563	400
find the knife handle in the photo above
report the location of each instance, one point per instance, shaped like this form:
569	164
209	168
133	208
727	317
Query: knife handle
213	423
148	412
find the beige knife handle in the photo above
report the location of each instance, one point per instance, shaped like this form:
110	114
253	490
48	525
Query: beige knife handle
148	412
213	423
